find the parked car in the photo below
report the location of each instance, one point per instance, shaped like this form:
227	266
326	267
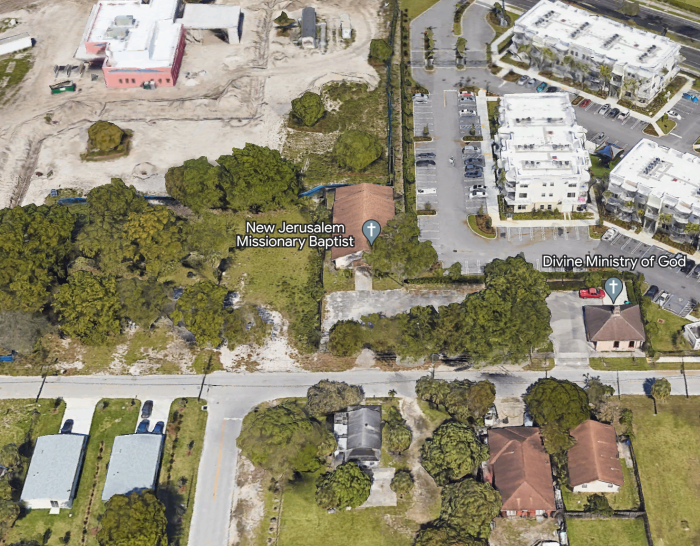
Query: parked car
470	150
542	87
652	292
673	114
477	193
613	113
67	427
146	409
609	235
425	155
143	427
696	272
603	109
474	161
598	138
690	97
420	101
624	115
531	82
426	191
421	96
467	112
474	174
523	79
466	94
663	298
577	100
477	187
471	167
688	267
467	100
591	293
425	163
158	429
584	103
552	89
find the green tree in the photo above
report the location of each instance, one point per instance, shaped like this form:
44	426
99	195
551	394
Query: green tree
326	397
452	452
558	402
88	307
115	201
135	519
660	389
142	301
629	8
356	150
198	184
464	400
454	272
445	535
308	108
262	179
470	507
245	326
284	20
402	482
557	441
20	330
9	456
397	251
396	436
598	504
201	308
597	391
34	244
104	136
282	439
9	512
346	486
346	338
379	51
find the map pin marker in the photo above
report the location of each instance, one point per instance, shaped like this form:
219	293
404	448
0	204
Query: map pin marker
613	288
371	229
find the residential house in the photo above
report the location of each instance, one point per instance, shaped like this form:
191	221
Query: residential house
594	462
520	470
614	327
133	464
308	28
359	435
353	206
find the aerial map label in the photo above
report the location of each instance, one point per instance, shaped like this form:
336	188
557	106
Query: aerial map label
259	235
616	262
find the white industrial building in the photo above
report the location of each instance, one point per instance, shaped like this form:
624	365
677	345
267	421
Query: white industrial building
52	479
18	42
543	155
573	42
224	17
133	464
658	187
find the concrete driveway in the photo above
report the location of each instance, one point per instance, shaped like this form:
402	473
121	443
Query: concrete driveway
568	331
161	412
81	411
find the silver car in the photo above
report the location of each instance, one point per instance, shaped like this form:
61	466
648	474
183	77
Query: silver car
604	109
523	79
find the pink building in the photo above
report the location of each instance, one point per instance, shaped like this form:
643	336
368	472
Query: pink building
137	43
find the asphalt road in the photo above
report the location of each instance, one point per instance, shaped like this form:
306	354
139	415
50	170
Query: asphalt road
648	18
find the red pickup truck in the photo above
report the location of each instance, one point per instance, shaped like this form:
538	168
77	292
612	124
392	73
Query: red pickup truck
591	293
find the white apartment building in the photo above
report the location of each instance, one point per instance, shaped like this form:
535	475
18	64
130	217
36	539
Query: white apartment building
658	187
575	43
543	154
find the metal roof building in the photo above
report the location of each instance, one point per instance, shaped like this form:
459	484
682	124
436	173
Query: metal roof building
308	28
359	434
133	464
54	470
15	43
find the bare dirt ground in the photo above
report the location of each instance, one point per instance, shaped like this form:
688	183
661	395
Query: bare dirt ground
234	94
522	531
248	503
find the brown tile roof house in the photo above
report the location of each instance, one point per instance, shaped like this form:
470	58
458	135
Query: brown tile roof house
356	204
612	327
519	468
594	461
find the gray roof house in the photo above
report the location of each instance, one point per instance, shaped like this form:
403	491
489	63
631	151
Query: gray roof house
308	28
359	434
133	464
52	479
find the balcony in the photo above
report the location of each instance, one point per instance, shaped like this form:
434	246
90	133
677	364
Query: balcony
681	218
628	207
640	199
651	213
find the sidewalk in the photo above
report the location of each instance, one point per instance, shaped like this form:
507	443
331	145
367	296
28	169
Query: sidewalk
646	238
487	151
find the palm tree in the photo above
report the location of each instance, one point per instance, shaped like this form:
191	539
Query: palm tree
664	219
605	73
631	84
693	230
547	56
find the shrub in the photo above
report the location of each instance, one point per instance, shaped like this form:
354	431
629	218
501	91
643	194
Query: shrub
356	150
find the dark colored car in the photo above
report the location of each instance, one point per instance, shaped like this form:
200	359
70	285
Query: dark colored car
474	161
688	267
471	167
143	427
613	113
541	87
146	409
158	429
67	427
426	155
652	292
425	163
552	89
696	272
474	174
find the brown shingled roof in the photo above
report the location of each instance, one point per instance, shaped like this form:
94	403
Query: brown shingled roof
521	468
595	456
356	204
603	323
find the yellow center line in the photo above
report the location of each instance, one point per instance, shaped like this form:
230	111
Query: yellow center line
218	462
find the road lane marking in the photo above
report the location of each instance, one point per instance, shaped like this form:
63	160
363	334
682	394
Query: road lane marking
218	461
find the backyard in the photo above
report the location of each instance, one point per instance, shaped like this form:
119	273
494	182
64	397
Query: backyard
669	336
626	499
599	532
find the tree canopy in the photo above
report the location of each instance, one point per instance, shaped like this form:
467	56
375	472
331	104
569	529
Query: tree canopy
598	504
396	436
201	308
402	482
470	507
34	244
245	326
379	51
327	397
20	330
347	485
346	338
445	535
88	307
308	108
104	136
452	452
142	301
284	20
660	389
135	519
356	150
559	402
283	439
464	400
198	184
397	251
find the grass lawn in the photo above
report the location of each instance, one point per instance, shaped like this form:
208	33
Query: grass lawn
118	417
597	168
475	228
626	499
22	64
670	328
19	423
596	232
596	532
303	522
499	30
434	416
667	448
178	473
416	7
621	363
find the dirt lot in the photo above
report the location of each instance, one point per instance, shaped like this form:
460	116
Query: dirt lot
522	531
235	94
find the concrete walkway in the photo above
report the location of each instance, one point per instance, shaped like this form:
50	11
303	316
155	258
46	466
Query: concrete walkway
487	151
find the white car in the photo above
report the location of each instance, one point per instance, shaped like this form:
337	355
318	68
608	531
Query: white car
467	112
477	187
609	235
477	193
624	115
523	80
663	298
673	114
426	191
604	109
